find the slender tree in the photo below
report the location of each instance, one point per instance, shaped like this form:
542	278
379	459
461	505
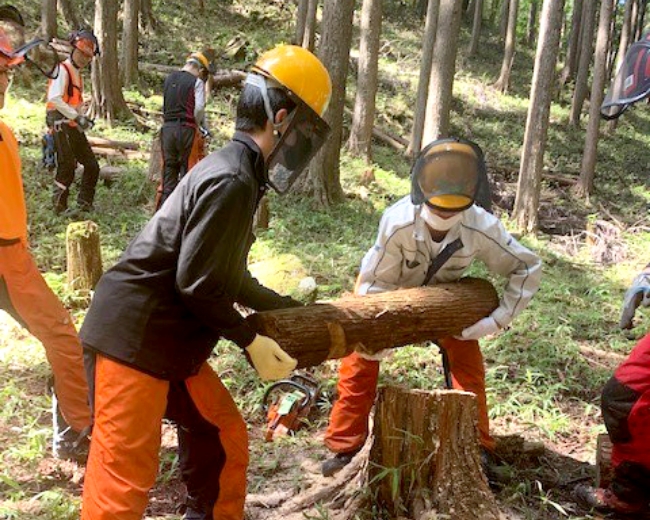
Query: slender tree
586	182
360	139
425	74
476	28
148	19
503	82
532	156
108	101
586	53
301	18
503	24
443	69
130	42
639	26
573	45
334	52
69	12
309	35
48	19
531	27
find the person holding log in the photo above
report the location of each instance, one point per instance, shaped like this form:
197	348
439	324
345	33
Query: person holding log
24	294
625	404
67	122
427	238
184	130
157	314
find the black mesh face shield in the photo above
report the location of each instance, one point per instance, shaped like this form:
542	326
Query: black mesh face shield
632	82
42	56
305	134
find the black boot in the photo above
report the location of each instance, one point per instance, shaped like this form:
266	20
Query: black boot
335	464
60	198
68	444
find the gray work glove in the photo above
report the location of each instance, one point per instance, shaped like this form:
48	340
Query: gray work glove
84	122
637	295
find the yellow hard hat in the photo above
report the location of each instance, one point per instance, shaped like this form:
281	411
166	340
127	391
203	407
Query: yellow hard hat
299	71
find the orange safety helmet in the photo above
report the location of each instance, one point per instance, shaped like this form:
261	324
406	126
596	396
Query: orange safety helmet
84	41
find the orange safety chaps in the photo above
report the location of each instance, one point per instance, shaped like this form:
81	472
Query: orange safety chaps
28	299
129	407
357	389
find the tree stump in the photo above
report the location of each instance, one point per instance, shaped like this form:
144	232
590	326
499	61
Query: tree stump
604	469
84	255
370	323
425	458
154	172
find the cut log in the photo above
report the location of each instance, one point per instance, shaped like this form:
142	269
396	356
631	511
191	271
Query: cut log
398	143
221	78
120	154
375	322
604	468
84	256
101	142
154	172
425	458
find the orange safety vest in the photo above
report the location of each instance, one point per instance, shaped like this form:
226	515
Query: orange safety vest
13	215
72	94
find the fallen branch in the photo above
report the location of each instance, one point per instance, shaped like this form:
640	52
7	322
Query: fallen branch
398	143
101	142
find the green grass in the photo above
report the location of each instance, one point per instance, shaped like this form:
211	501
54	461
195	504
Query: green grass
538	380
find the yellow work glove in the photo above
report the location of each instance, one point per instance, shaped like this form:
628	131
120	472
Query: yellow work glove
270	361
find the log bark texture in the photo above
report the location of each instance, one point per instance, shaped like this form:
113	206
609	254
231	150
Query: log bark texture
425	458
370	323
604	468
84	256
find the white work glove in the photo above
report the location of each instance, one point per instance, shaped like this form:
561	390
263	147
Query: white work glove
360	349
485	327
270	361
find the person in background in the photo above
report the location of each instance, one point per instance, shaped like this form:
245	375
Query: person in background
184	128
68	124
625	404
24	294
157	314
432	237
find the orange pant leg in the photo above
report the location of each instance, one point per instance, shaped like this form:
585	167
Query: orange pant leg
468	373
123	460
46	318
357	388
216	405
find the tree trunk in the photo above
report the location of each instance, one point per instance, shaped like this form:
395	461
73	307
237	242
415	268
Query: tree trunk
375	322
443	69
108	101
148	19
586	52
532	24
360	140
48	19
301	18
130	42
623	44
309	36
334	52
262	215
84	256
425	456
586	182
476	28
503	82
503	24
428	43
69	13
541	92
573	44
494	9
640	21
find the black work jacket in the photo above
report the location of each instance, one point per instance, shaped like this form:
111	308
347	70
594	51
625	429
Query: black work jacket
164	305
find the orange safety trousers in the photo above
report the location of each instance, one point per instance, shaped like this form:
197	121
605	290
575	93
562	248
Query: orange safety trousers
357	389
25	295
129	407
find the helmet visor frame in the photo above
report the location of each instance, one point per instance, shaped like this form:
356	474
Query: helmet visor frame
305	134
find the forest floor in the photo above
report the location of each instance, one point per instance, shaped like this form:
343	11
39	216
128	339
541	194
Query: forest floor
544	374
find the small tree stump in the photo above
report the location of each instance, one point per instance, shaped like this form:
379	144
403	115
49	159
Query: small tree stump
604	469
370	323
425	458
84	255
154	173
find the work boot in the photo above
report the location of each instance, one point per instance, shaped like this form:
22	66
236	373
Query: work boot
60	199
195	511
336	463
605	501
493	468
68	444
81	211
